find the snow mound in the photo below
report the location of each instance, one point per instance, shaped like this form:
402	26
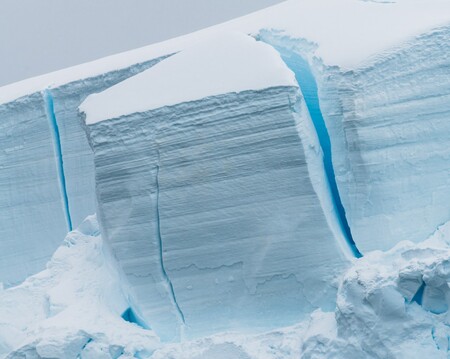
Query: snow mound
73	308
390	305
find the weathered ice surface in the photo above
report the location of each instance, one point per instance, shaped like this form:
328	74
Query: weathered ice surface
78	158
46	174
389	134
390	129
32	220
216	208
211	212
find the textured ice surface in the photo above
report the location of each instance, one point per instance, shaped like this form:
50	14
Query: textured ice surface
390	128
356	34
213	194
46	172
376	316
73	308
355	31
211	207
32	220
388	123
210	68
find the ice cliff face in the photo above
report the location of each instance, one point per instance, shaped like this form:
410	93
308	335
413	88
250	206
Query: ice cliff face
237	179
389	123
45	151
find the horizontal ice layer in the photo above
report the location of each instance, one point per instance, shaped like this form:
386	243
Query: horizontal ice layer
46	172
390	129
217	209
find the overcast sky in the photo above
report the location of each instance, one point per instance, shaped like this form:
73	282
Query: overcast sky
39	36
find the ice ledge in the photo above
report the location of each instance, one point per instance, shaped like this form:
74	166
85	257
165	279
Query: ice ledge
229	62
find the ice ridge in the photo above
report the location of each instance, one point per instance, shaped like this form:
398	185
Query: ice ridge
50	110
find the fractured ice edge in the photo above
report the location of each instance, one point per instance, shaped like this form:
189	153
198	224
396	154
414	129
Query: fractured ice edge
238	180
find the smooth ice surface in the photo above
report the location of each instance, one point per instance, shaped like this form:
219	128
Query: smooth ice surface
231	62
217	209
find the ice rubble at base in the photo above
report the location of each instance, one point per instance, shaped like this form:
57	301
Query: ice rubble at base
390	304
73	307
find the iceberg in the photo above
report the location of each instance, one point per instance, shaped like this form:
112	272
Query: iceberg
253	181
390	126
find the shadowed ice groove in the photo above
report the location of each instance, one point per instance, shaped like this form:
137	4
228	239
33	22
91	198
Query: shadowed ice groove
308	87
58	155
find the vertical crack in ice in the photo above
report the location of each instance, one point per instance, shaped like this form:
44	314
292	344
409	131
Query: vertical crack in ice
308	86
161	258
50	109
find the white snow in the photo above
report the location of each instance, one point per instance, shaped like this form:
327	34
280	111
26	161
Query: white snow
229	62
346	33
73	307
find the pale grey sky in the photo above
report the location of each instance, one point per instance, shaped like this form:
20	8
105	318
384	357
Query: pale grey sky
39	36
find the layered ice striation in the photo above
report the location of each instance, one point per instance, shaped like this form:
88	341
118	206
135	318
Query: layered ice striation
46	171
217	207
388	126
390	123
233	191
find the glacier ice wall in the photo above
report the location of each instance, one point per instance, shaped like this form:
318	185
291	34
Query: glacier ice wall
376	316
211	211
390	129
388	122
43	148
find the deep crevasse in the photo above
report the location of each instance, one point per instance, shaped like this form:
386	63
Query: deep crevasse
49	105
308	86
